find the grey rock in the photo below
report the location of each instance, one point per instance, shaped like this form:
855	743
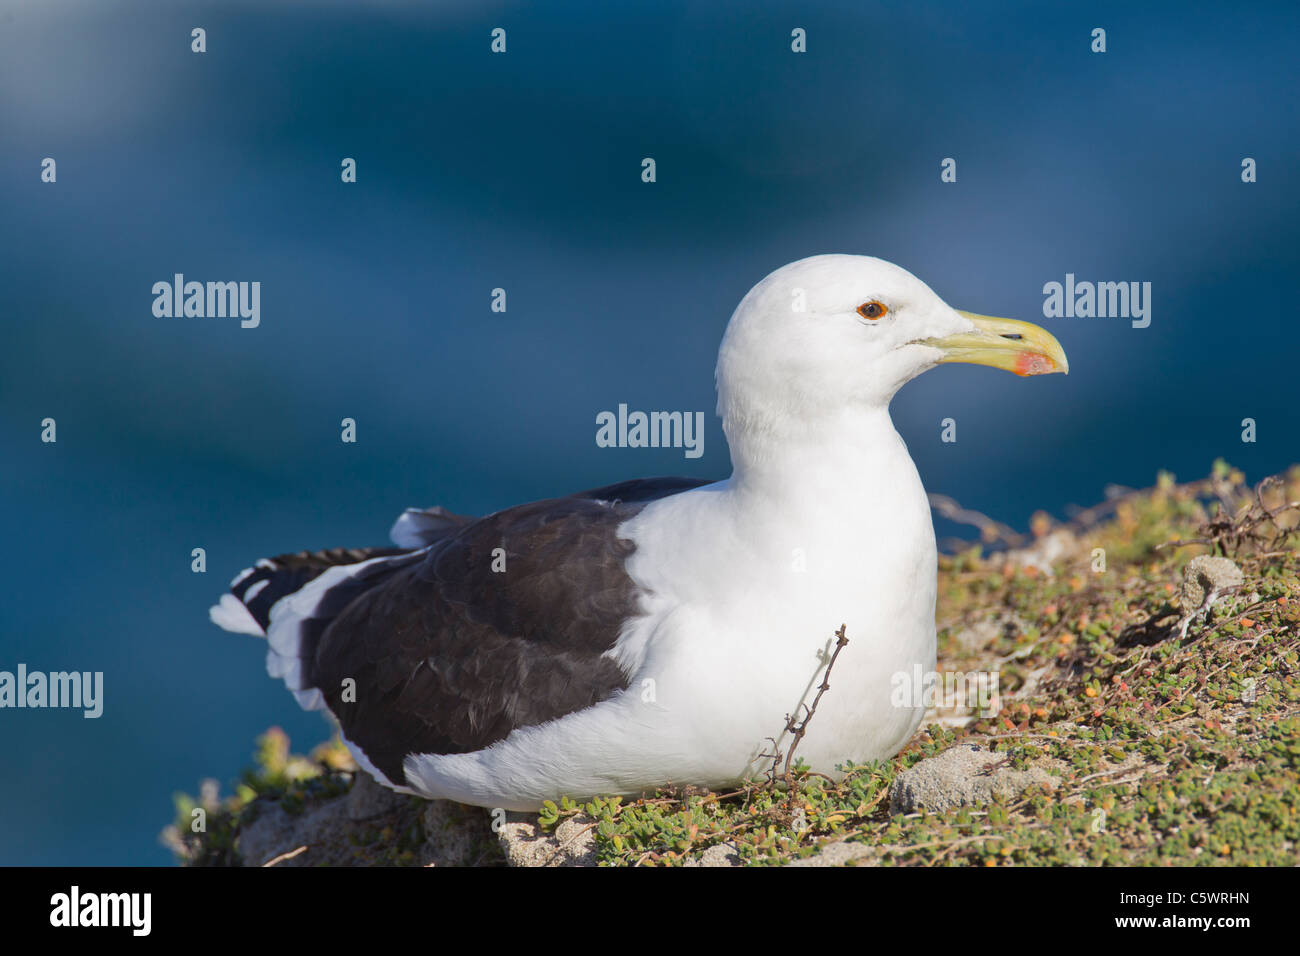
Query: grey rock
721	854
525	843
368	799
836	854
455	835
324	833
966	775
276	837
1206	576
1048	551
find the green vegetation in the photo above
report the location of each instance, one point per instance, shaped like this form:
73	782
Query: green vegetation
277	777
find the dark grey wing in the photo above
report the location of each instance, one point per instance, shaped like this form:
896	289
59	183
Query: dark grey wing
502	623
644	489
417	527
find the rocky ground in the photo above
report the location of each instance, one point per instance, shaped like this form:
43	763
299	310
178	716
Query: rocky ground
1138	704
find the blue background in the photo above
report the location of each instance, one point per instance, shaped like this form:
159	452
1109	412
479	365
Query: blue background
523	171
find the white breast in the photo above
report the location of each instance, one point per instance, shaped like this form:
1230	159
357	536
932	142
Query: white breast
742	608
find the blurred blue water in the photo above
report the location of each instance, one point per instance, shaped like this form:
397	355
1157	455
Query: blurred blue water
522	171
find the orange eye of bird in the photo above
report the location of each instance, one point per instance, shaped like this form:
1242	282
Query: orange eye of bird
872	310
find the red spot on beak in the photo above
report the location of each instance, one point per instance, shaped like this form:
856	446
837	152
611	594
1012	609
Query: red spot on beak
1031	363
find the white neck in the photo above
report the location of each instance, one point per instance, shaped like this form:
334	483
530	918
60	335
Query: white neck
837	456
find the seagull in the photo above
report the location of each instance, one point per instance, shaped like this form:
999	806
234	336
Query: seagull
659	632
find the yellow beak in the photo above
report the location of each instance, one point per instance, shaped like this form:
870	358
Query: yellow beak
1020	347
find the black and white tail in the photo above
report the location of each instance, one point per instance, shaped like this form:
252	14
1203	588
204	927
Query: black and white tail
292	598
